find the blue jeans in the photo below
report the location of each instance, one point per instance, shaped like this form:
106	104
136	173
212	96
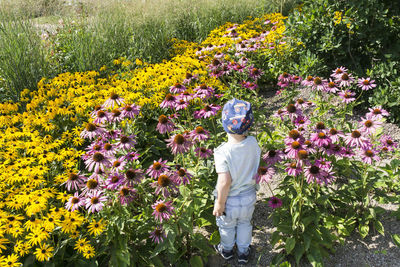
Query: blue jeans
236	226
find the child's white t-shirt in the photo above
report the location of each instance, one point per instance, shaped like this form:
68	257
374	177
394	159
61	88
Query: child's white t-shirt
241	160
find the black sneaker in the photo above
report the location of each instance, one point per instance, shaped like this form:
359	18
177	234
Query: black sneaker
224	254
244	258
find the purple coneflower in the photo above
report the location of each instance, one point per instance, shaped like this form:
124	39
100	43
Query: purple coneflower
92	185
369	155
162	210
335	134
344	80
74	181
164	185
108	149
158	235
250	85
273	156
181	104
177	88
189	77
302	121
321	139
130	156
285	77
203	152
95	202
181	176
126	142
366	84
113	100
377	112
356	139
293	148
274	202
296	79
207	111
157	168
92	131
101	117
165	125
199	134
169	101
294	135
331	87
293	168
316	174
347	96
264	174
118	165
185	96
308	81
130	111
387	141
74	202
255	73
369	125
127	195
97	162
203	91
301	103
337	73
115	115
133	176
319	84
114	181
179	143
293	111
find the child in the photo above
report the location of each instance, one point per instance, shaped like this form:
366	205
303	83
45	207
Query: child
236	163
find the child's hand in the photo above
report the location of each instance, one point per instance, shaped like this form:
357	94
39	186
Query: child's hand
218	209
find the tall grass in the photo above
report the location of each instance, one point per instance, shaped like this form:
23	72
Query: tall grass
23	60
96	32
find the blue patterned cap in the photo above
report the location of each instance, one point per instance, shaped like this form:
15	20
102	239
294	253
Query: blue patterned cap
237	116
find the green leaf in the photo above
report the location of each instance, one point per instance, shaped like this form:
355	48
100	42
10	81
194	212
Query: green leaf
363	229
196	261
396	239
215	238
275	238
298	252
290	243
379	227
307	241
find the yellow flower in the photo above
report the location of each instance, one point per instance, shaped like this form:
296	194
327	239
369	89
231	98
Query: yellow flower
103	68
44	253
138	62
96	228
3	241
37	236
11	260
81	245
89	252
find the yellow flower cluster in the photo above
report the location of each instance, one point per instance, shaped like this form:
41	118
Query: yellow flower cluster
40	139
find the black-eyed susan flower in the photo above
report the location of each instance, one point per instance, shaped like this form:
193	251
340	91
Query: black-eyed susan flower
81	245
96	227
44	252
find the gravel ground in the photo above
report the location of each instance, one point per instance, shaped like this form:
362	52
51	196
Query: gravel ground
374	250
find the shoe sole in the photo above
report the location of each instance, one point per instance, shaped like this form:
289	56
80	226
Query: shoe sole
226	258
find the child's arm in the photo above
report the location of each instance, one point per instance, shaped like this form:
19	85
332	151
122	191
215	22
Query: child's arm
223	186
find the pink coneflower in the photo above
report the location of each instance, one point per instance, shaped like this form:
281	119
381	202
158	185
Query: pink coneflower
113	100
179	144
274	202
165	125
377	112
301	103
302	121
338	72
92	131
293	148
101	117
185	96
203	91
215	64
285	77
199	134
177	88
130	111
108	149
92	185
255	73
112	134
293	168
334	149
203	152
182	176
114	181
74	181
207	111
162	210
74	202
296	79
249	85
130	156
95	202
273	156
294	135
157	168
331	87
302	157
356	139
318	84
323	164
126	142
164	184
181	104
293	111
97	162
314	173
344	80
189	77
118	165
168	102
309	146
127	195
308	81
264	174
335	134
366	84
387	142
369	155
133	176
347	96
158	235
320	139
369	125
115	115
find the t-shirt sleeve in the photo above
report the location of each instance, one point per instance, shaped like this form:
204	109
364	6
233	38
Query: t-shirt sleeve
221	164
